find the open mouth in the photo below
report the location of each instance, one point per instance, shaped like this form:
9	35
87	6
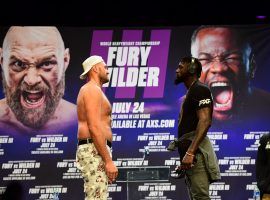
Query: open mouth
32	99
223	95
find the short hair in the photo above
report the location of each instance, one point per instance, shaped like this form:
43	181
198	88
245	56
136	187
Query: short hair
236	32
193	62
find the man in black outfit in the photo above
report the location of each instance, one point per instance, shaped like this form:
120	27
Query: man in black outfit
263	167
197	156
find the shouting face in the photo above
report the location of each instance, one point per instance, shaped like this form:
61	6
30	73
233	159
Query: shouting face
223	61
34	62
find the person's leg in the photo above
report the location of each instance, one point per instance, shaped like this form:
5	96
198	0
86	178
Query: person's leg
197	180
93	172
187	181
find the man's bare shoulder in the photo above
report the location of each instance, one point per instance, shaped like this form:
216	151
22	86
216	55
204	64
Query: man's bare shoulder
3	102
90	90
68	106
8	122
70	109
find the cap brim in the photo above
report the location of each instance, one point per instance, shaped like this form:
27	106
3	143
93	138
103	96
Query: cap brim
83	75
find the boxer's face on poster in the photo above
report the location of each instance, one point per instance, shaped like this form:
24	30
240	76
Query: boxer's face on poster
33	62
222	68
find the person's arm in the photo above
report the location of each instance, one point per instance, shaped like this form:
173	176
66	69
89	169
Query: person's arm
93	102
204	123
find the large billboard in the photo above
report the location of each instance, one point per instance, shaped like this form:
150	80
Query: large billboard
40	82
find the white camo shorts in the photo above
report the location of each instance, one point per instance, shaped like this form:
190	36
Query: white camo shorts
92	168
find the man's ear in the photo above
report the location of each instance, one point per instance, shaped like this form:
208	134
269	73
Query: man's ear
95	68
66	58
252	66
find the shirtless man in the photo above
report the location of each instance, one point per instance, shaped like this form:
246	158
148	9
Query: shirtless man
94	131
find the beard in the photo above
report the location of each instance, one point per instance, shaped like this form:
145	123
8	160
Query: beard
104	79
178	79
34	117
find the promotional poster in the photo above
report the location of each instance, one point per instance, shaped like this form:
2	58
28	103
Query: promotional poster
38	120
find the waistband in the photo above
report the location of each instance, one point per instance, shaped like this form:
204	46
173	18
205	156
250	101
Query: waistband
90	140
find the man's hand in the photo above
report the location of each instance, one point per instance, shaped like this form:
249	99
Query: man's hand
188	161
111	171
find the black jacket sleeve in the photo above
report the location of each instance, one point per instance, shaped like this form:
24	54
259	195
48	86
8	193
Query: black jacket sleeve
263	165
